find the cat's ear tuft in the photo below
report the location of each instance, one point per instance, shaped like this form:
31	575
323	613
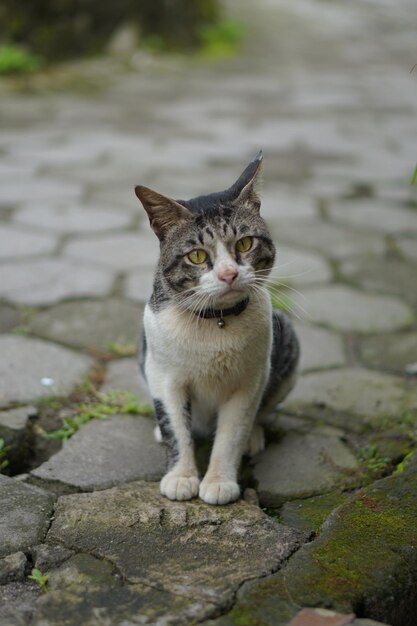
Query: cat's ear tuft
244	191
164	213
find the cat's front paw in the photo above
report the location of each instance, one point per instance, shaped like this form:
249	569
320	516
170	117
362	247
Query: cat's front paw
176	487
219	492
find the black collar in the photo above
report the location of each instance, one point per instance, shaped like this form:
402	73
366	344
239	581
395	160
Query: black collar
221	313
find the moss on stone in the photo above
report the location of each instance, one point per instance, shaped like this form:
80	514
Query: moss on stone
310	514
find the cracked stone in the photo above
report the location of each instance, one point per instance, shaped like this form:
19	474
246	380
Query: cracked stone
17	435
69	218
190	549
107	452
15	242
17	602
327	464
119	252
85	587
31	368
25	514
309	514
46	281
46	557
90	324
320	348
352	397
348	309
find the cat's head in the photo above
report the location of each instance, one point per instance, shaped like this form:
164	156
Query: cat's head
215	250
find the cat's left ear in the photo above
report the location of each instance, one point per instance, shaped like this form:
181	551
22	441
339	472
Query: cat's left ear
244	191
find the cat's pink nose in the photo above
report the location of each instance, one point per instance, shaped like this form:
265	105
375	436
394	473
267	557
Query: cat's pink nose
227	275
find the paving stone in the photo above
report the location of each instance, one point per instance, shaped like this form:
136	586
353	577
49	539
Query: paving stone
31	368
107	452
386	275
309	514
139	283
347	309
391	351
17	601
90	323
331	240
85	587
137	530
356	561
294	266
119	252
71	218
278	203
46	281
125	374
12	567
37	190
25	515
15	242
408	247
376	216
352	397
327	463
46	557
9	318
320	348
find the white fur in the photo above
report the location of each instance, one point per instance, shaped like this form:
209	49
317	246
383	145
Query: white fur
223	371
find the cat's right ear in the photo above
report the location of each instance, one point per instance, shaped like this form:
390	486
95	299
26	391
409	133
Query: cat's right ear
163	212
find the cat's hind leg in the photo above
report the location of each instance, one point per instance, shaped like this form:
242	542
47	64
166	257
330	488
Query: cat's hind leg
256	441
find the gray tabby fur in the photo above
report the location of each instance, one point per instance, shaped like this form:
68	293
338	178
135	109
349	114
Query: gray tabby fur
203	378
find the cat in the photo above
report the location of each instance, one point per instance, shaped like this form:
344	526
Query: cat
216	357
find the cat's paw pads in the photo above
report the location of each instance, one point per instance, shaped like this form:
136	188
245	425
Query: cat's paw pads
256	441
157	435
216	492
177	487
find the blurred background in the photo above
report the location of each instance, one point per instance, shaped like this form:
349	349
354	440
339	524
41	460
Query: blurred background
96	97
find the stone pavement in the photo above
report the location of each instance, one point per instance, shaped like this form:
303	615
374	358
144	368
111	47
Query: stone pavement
326	90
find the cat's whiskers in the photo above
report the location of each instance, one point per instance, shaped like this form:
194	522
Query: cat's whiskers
289	306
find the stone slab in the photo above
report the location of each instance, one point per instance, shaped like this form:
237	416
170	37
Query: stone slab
90	323
37	190
31	368
190	549
139	283
295	266
376	215
391	351
408	247
352	397
66	218
303	465
12	567
321	617
118	252
125	374
15	429
333	241
385	275
25	513
9	318
347	309
309	514
46	281
320	348
15	242
107	452
365	556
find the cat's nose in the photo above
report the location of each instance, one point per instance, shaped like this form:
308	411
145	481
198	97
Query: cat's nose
227	275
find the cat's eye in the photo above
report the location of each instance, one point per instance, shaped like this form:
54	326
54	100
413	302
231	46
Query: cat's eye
197	256
244	244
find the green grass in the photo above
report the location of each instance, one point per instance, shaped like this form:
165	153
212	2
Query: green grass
414	177
222	39
3	455
99	406
15	60
41	579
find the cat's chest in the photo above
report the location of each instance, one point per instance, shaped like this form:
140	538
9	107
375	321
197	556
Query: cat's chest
200	349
